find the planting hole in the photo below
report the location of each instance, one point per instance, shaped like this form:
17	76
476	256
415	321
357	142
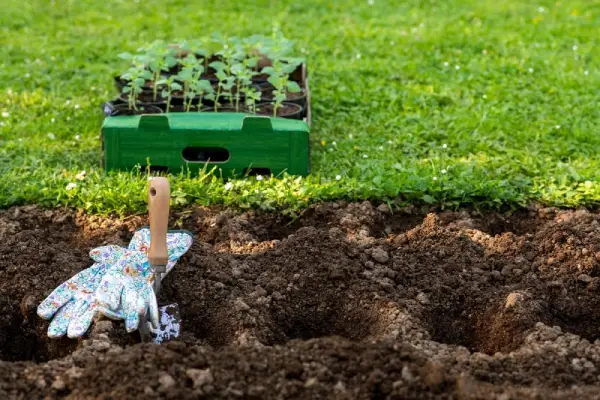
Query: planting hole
24	338
483	326
204	154
323	313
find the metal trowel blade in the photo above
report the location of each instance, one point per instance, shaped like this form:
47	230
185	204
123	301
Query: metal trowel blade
169	327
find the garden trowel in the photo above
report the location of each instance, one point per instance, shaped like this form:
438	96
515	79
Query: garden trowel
158	209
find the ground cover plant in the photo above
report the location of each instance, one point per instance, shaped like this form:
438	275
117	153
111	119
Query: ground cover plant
453	103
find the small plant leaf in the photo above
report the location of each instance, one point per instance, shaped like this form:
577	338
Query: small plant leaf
293	87
217	65
428	199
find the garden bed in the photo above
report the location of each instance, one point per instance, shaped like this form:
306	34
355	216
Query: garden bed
349	301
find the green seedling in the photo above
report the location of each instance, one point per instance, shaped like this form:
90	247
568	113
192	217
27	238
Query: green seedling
161	58
171	85
226	82
252	96
203	89
196	48
243	73
277	47
279	77
135	77
230	54
192	69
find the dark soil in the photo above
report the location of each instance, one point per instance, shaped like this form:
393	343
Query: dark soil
349	301
286	110
146	97
123	109
267	94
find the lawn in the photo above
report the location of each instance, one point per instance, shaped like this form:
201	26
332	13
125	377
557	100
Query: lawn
484	103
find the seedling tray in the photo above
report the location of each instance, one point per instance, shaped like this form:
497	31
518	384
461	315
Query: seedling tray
300	75
234	143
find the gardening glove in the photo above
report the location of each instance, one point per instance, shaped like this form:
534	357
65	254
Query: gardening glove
126	291
72	303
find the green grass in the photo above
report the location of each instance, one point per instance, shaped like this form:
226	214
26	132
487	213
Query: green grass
519	115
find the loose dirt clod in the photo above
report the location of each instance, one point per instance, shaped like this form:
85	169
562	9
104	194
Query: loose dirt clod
347	301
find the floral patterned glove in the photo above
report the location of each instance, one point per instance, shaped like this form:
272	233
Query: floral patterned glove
126	291
72	303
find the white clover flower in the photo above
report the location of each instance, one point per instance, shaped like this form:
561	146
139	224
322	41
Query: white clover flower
575	48
434	178
484	96
446	63
76	106
444	171
557	126
338	177
371	2
80	176
68	102
71	186
444	146
586	73
51	136
334	143
530	70
358	56
259	177
350	136
27	75
229	186
77	137
2	123
380	147
52	119
5	114
457	67
541	9
365	156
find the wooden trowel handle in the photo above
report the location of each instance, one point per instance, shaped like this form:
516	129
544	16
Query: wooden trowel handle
158	209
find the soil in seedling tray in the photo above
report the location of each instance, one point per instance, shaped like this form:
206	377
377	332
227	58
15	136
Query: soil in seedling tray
286	110
123	109
349	301
146	97
267	94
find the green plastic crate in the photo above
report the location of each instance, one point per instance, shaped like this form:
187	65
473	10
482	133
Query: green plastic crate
233	142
